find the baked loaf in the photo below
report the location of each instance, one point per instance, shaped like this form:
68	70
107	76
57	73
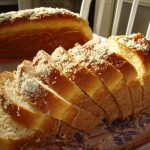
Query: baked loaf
128	71
20	110
54	77
103	69
72	91
135	48
24	32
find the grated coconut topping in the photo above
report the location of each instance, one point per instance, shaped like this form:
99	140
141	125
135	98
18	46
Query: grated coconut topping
36	13
139	44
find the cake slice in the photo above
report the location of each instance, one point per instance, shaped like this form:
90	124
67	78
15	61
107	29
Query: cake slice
135	48
108	74
49	102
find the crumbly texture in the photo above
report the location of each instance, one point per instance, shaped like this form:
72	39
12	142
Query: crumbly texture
92	59
34	14
10	129
136	42
136	49
43	65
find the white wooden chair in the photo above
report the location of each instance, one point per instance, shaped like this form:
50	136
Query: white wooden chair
84	11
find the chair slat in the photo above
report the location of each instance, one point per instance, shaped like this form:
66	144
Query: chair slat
85	8
117	17
24	4
132	17
98	24
148	32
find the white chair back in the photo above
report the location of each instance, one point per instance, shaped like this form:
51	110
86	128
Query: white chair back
84	12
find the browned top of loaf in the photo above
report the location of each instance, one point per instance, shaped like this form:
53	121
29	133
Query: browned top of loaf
38	13
137	42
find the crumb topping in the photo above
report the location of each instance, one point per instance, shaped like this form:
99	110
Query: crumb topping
36	13
85	56
63	61
94	58
136	42
92	43
102	51
42	64
29	86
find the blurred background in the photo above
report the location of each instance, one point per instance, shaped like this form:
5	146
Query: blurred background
140	24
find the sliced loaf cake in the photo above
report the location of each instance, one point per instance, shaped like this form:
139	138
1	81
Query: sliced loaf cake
127	69
53	77
48	101
108	74
20	110
135	48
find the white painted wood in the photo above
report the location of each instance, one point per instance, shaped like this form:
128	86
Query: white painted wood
148	32
141	2
24	4
98	25
117	17
132	17
106	22
85	8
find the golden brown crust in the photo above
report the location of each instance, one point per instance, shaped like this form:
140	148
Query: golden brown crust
137	47
129	72
47	101
45	26
108	74
47	70
37	14
22	115
80	76
138	44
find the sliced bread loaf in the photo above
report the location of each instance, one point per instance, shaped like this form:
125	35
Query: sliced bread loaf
127	69
12	133
20	110
53	77
48	101
108	74
82	77
135	48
